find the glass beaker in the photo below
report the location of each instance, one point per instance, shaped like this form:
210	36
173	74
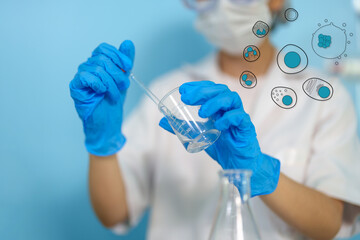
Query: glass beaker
234	219
194	132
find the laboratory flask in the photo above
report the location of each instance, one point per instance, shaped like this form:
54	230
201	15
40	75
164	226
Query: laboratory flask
234	219
194	132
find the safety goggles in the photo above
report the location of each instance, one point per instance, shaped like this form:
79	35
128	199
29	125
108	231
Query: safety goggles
207	5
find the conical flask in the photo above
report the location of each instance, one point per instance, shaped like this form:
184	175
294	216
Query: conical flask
234	220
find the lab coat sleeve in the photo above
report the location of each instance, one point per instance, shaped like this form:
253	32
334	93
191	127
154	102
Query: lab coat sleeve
335	162
135	161
334	167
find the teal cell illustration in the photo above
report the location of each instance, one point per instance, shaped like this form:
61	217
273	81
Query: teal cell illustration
330	41
292	59
287	100
284	97
248	51
324	41
261	29
318	89
261	33
248	83
251	53
324	92
248	80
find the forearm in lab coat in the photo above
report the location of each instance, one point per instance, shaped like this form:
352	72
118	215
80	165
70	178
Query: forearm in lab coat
311	212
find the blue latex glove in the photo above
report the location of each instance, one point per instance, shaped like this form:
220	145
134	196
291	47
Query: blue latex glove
98	90
237	146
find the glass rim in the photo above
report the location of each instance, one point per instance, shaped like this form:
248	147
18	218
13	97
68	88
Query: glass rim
229	172
167	95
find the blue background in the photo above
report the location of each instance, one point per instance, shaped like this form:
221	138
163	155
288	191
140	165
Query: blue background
43	163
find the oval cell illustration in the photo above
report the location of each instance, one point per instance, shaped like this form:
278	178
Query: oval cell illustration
291	14
329	41
261	29
318	89
248	79
292	59
251	53
284	97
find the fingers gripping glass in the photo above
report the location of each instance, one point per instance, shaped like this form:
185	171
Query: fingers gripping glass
206	5
194	132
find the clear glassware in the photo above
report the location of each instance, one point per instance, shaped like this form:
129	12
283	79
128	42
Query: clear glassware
234	219
194	132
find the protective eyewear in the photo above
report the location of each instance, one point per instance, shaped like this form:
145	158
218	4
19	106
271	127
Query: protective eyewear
207	5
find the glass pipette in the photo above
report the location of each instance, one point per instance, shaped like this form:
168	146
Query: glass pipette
149	93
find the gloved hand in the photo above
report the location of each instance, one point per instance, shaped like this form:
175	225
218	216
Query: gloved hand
98	90
237	146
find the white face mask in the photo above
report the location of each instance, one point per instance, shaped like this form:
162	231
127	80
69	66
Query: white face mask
229	25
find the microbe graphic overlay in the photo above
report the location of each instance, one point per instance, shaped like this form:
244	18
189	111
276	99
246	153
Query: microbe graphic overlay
291	14
318	89
248	80
261	29
251	53
292	59
284	97
330	41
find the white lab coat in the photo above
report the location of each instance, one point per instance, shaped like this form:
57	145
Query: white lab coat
315	141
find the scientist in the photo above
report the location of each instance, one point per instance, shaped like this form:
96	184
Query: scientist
315	142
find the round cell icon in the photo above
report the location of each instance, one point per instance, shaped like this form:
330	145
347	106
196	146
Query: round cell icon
261	29
318	89
284	97
291	14
329	41
292	59
251	53
248	80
